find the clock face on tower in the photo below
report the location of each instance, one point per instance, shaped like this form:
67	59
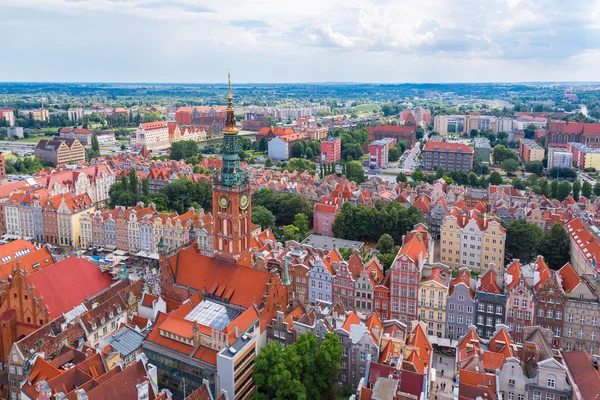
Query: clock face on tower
244	201
223	201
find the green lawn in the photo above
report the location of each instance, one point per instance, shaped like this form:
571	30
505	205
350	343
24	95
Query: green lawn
33	139
9	156
366	108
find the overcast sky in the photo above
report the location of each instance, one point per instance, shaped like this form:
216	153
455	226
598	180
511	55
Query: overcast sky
300	40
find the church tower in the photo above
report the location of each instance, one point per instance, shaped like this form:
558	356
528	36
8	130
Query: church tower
231	201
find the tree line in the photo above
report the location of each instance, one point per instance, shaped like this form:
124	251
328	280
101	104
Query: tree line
369	224
177	196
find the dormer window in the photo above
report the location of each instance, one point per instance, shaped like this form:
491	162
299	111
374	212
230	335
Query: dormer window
93	325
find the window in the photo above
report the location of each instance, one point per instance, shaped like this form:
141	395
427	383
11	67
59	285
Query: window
541	312
549	396
511	382
570	317
480	307
551	383
537	395
516	302
510	396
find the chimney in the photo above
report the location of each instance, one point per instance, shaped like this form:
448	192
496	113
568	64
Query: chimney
196	334
143	390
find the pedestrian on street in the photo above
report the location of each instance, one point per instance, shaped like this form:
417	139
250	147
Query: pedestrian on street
442	372
440	359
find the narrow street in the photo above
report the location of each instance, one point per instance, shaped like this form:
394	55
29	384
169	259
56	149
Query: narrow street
447	366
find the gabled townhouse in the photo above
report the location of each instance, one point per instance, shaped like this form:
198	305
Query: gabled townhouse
320	282
433	293
460	305
550	301
581	315
361	338
405	274
519	301
491	304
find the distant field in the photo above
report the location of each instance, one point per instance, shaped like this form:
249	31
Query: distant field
33	139
366	108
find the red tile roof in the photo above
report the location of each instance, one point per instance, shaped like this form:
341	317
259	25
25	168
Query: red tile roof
447	147
569	277
153	125
246	285
68	283
586	377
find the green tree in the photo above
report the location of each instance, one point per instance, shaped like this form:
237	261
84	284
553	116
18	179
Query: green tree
401	177
276	374
263	146
534	167
474	132
328	365
133	182
394	153
285	206
386	259
553	188
586	189
301	165
145	187
291	232
495	178
184	149
554	246
355	172
298	149
563	191
308	153
385	243
522	238
301	222
418	175
502	153
510	165
268	163
544	187
95	145
597	188
576	190
263	217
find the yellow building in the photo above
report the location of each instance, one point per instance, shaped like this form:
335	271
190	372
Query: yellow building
450	233
69	213
433	293
60	151
472	240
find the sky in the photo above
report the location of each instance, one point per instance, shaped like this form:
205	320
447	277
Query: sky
387	41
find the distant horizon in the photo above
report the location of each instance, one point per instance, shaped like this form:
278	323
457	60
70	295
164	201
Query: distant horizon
233	83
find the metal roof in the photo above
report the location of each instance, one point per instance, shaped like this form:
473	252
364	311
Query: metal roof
126	340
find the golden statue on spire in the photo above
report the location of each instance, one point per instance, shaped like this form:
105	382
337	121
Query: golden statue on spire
230	128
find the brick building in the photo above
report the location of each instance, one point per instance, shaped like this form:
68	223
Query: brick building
449	156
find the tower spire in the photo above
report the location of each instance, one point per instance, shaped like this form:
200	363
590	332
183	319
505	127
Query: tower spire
230	128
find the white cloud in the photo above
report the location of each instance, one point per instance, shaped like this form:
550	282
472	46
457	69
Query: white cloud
458	35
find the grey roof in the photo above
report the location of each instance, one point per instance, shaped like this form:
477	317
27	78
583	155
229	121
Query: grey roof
326	242
126	340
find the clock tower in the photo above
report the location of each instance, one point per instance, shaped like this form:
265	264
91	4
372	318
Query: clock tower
231	201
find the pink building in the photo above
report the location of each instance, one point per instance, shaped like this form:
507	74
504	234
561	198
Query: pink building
331	150
405	274
519	302
324	216
379	152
